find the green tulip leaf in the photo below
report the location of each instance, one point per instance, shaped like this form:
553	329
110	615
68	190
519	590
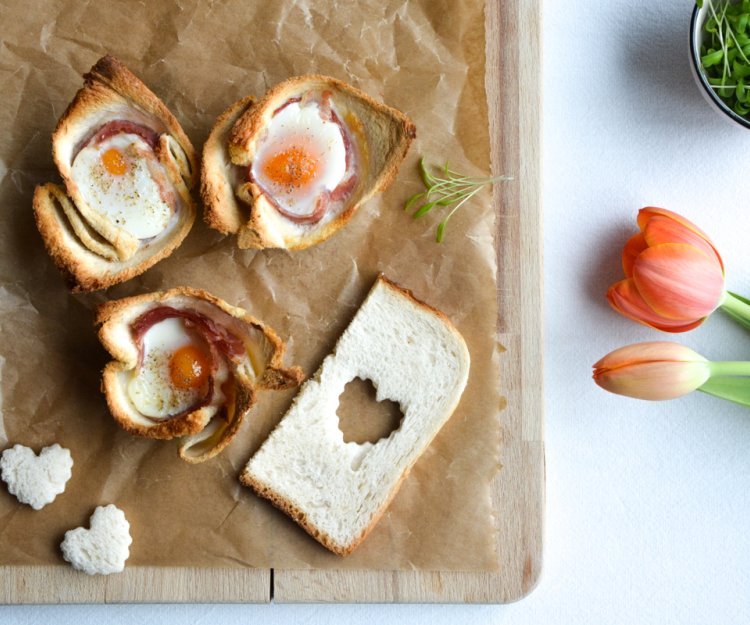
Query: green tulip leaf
738	308
739	297
732	389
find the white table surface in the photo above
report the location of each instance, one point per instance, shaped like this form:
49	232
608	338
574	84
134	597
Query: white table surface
648	504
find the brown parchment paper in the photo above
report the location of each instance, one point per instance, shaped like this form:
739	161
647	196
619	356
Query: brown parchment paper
425	58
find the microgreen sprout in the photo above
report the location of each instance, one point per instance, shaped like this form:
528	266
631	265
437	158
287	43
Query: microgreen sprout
446	188
725	52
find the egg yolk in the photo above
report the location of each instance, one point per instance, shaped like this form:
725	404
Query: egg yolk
189	368
291	167
114	163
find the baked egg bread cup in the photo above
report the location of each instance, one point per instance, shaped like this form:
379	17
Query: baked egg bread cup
187	365
291	169
127	168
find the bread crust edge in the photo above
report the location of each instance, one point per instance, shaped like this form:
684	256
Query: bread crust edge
222	210
79	277
298	516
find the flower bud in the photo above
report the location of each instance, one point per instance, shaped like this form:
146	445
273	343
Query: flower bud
656	370
674	275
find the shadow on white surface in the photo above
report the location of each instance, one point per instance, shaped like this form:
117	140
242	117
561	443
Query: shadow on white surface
656	67
242	615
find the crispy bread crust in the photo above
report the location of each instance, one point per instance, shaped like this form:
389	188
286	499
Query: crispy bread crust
244	400
110	86
274	376
83	270
222	210
110	79
288	507
395	286
392	145
114	74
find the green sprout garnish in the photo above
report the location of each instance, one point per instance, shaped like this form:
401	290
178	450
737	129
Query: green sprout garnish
447	188
725	52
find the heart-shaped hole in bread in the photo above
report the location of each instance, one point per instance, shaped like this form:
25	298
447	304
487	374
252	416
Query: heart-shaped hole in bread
364	419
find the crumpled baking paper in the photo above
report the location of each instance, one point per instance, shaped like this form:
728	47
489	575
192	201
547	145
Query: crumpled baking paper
424	58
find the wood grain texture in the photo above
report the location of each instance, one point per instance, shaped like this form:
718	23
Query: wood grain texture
513	79
62	584
513	90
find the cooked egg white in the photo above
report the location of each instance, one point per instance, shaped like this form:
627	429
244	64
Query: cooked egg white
120	178
151	389
301	156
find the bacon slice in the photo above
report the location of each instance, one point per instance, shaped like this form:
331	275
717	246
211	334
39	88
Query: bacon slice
214	334
149	135
344	190
321	206
326	109
283	106
345	136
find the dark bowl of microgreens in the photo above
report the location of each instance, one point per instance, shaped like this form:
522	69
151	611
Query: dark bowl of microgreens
720	55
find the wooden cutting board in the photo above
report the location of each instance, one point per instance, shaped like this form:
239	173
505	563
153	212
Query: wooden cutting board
513	79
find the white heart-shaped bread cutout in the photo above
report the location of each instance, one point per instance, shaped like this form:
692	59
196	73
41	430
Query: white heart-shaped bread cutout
102	549
36	480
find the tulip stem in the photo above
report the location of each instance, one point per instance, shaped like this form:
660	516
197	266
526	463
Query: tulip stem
736	368
738	308
729	380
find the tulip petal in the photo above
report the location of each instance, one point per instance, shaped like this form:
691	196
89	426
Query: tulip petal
625	299
678	281
660	230
654	380
655	370
645	215
649	212
650	351
635	245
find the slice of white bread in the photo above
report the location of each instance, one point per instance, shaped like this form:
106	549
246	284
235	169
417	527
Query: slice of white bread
337	491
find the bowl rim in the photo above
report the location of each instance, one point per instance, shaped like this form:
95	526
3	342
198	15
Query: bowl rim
695	28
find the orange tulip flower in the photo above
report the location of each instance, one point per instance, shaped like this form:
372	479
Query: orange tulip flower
674	274
657	370
662	370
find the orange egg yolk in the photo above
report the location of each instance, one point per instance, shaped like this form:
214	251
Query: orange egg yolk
189	368
291	167
114	163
